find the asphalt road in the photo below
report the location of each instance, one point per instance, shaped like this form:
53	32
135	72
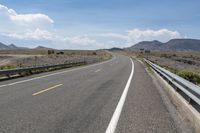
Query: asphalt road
83	100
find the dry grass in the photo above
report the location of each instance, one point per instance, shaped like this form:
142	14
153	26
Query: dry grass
185	64
31	58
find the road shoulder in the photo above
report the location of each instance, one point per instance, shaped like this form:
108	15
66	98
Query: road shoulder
182	123
144	109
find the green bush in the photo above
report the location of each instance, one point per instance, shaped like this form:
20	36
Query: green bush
188	75
5	67
173	70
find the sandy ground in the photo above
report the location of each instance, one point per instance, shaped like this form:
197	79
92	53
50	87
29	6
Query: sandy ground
32	60
180	63
6	59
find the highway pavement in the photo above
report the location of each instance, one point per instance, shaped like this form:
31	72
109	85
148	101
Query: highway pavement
113	96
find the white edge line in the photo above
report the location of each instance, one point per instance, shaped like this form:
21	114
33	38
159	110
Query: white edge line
114	120
44	76
140	61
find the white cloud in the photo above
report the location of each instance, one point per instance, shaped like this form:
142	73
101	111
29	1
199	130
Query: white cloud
30	18
128	38
113	35
137	35
39	27
15	25
80	40
11	15
33	35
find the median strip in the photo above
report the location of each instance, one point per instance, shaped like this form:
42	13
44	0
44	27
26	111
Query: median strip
50	88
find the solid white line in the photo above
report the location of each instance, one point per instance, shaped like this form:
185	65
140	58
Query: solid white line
57	73
140	61
114	120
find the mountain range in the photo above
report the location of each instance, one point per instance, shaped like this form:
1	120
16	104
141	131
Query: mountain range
9	47
172	45
14	47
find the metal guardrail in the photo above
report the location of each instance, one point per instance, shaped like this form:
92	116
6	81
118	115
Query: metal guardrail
188	88
69	63
40	68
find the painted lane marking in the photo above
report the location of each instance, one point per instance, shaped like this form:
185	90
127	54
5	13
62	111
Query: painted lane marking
50	88
98	70
114	120
140	61
56	73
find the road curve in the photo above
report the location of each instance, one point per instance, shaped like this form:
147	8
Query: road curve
82	100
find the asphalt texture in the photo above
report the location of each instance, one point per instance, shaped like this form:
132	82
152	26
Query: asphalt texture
144	110
82	100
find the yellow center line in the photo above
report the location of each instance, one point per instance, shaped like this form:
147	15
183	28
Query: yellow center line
97	70
50	88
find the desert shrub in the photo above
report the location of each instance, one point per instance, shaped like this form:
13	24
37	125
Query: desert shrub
170	69
164	55
49	52
94	53
190	76
173	70
174	55
7	67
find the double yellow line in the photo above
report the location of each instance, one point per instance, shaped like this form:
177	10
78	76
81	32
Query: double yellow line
50	88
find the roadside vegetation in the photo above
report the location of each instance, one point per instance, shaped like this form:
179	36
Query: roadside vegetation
184	64
188	75
32	58
7	67
38	58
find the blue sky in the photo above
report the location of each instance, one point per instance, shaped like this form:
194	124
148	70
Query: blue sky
93	24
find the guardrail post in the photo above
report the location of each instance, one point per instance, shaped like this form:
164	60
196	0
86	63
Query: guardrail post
7	75
189	100
176	88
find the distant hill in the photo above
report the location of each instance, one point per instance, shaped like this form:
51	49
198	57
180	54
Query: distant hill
42	48
3	46
13	47
115	49
9	47
172	45
182	45
150	45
